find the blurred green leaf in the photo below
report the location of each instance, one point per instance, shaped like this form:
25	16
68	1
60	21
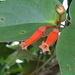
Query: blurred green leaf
66	51
11	60
2	68
72	12
61	1
27	55
30	54
20	18
25	67
2	73
4	51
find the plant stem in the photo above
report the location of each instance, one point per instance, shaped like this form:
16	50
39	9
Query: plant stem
46	62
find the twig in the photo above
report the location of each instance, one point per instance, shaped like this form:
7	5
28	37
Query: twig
54	64
38	61
46	62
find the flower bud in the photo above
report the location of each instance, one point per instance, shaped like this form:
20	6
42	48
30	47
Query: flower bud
60	9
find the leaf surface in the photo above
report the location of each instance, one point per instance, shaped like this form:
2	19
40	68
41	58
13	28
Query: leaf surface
66	51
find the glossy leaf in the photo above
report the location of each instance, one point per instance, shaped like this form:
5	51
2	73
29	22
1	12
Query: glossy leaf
66	51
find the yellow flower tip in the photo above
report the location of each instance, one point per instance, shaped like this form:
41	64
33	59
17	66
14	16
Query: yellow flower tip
44	47
60	9
23	45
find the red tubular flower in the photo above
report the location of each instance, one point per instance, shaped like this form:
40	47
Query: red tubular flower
36	36
52	37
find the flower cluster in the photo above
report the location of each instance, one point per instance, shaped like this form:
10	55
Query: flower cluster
52	37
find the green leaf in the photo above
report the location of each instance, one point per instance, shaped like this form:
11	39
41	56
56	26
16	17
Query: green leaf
18	32
25	67
61	1
27	55
4	51
20	18
72	13
3	68
66	51
28	11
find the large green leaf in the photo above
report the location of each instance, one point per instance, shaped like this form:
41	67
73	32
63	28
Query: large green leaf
18	32
66	51
19	18
28	11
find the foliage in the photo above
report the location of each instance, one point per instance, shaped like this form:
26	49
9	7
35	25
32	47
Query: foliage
18	20
66	48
